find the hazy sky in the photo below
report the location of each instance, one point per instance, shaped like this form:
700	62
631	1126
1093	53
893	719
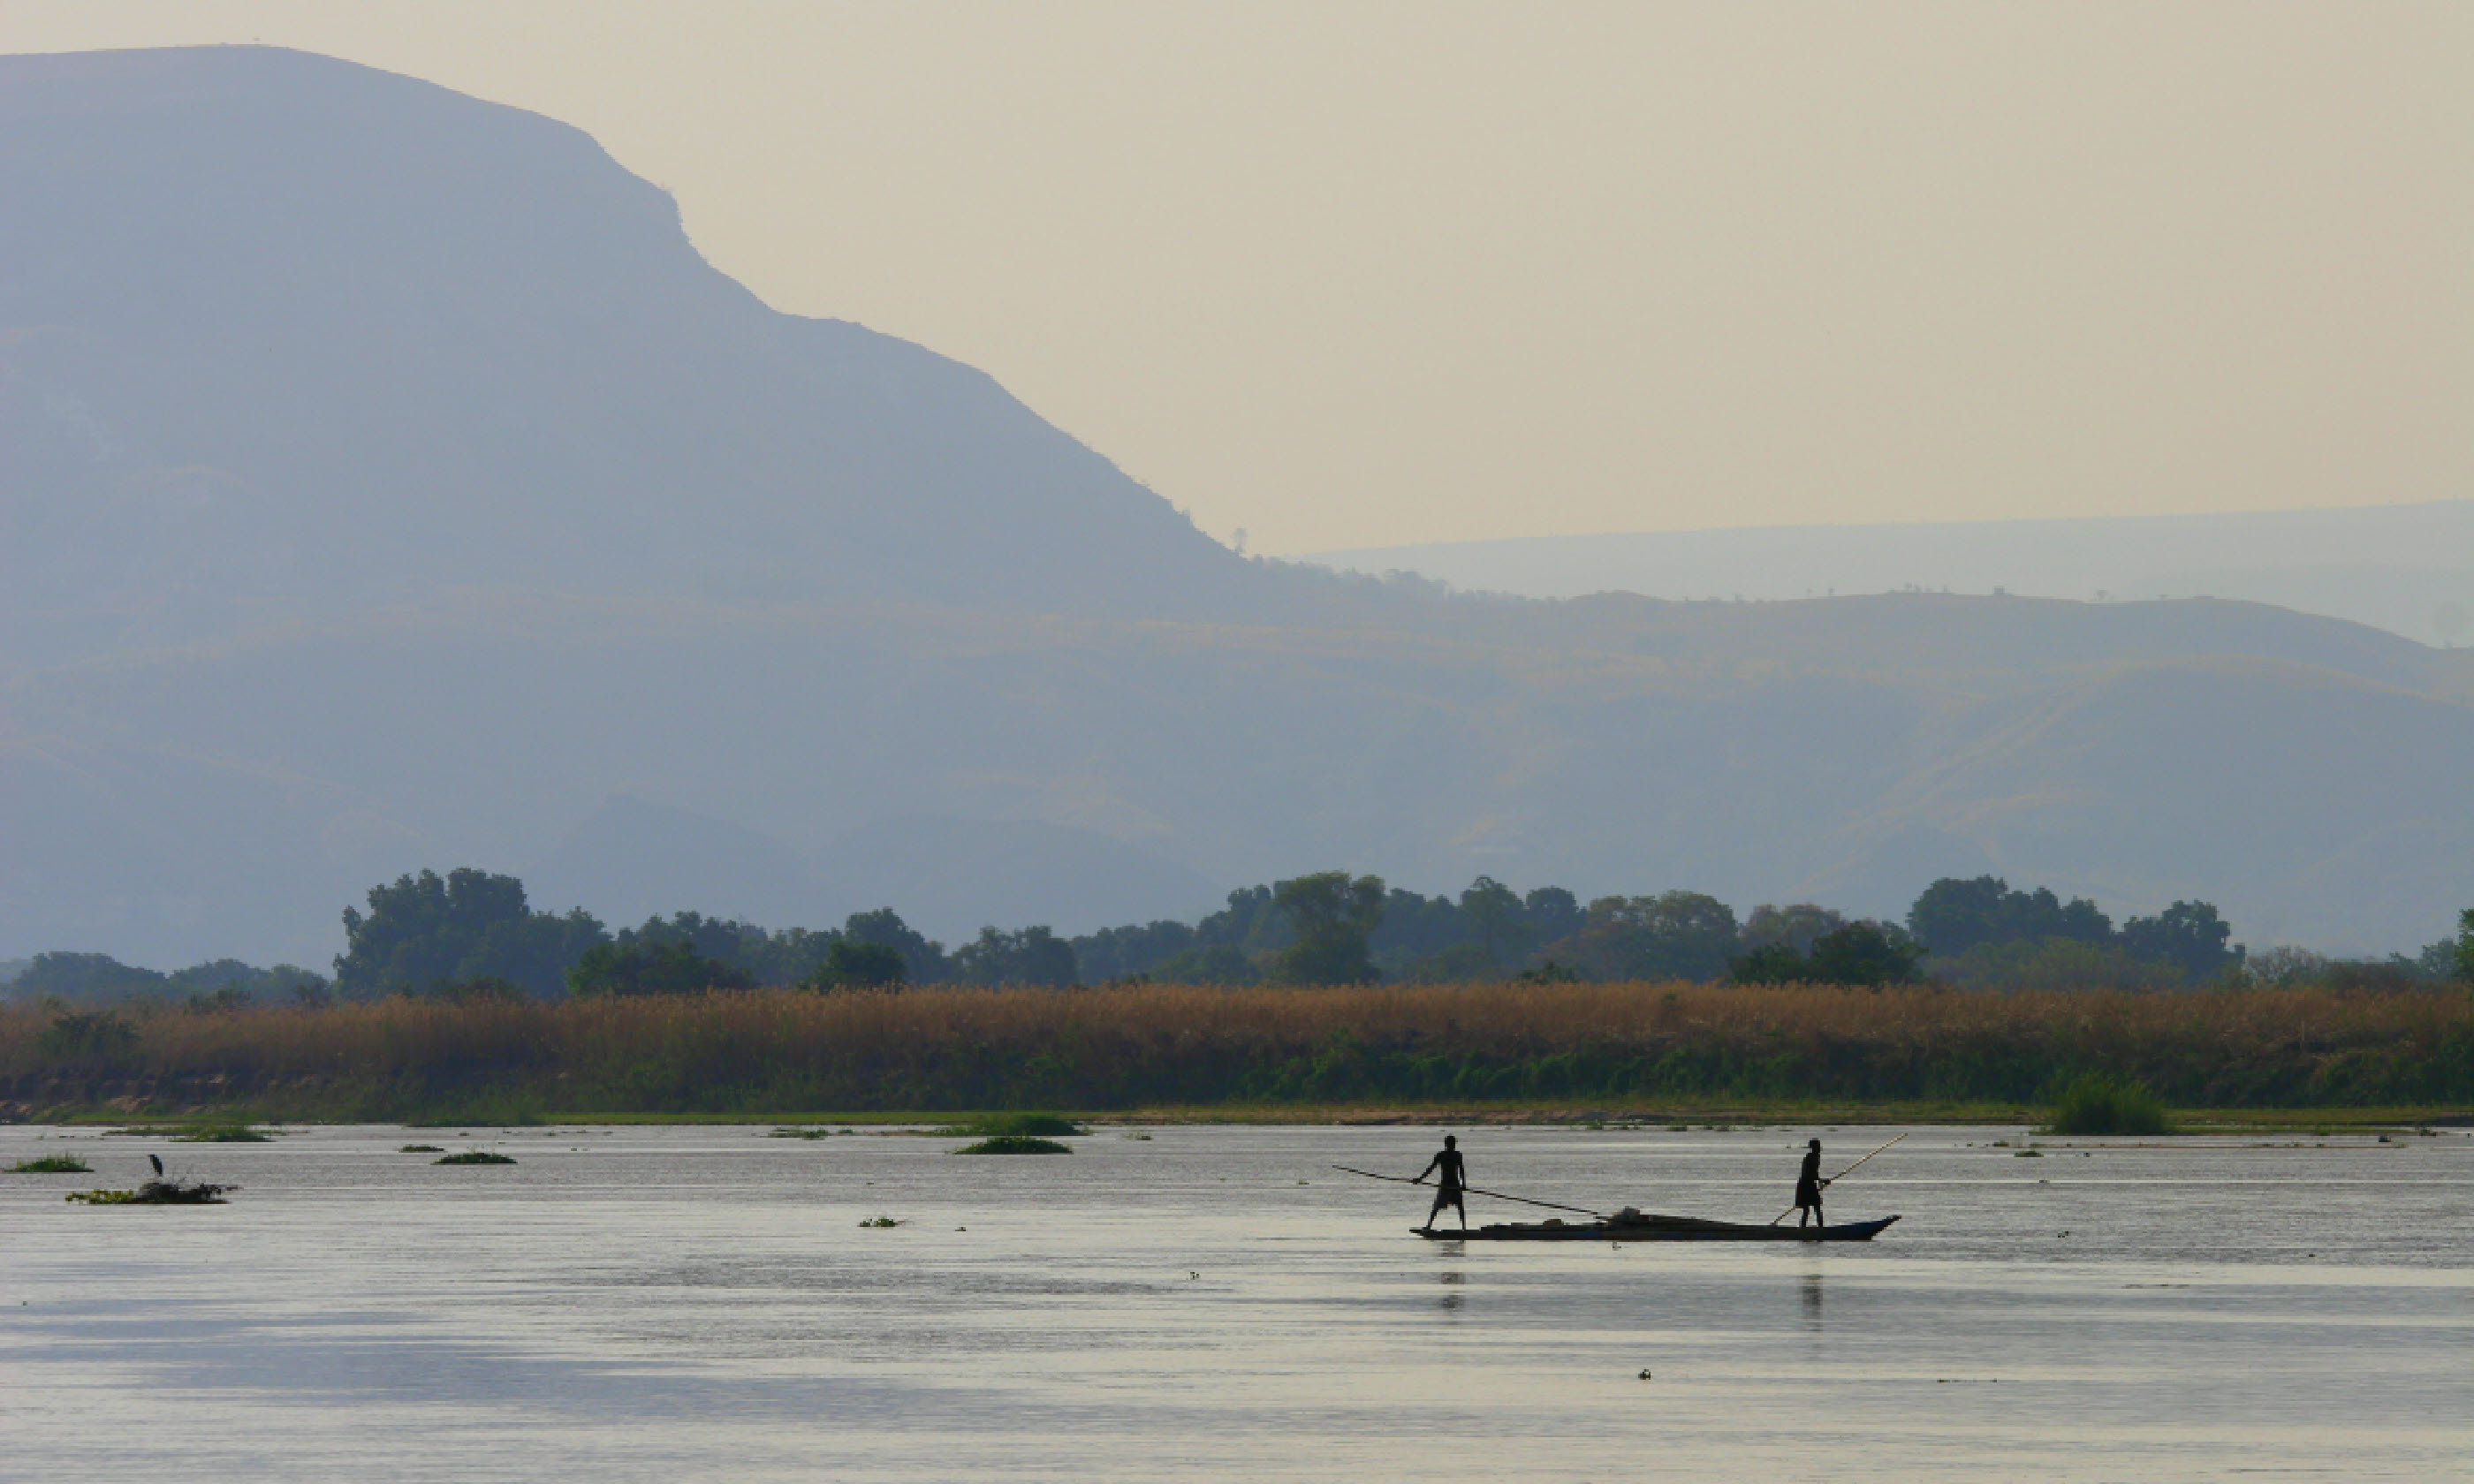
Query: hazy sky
1355	275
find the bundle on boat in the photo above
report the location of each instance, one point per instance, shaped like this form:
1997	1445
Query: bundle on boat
1629	1225
158	1192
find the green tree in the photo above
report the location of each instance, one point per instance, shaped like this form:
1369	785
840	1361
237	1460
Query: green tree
1858	952
1866	953
1334	918
85	979
427	930
1953	916
851	964
1496	914
1032	955
923	959
2187	935
1797	925
1674	935
611	969
2463	967
1554	913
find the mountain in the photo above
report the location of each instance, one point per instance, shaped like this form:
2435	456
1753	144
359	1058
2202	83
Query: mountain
2405	568
385	482
284	334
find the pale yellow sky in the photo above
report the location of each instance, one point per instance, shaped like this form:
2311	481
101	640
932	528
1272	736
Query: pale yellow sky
1365	273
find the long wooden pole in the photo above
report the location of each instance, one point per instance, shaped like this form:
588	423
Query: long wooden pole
1475	1190
1832	1180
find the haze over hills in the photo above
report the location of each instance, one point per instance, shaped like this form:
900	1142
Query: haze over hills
386	483
2405	568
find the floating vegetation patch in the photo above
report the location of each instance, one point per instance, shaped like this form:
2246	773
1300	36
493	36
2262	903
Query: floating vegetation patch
881	1221
2096	1104
421	1149
224	1133
1014	1143
474	1157
52	1165
791	1133
157	1192
1018	1125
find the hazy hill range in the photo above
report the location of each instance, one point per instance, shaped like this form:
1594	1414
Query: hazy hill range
2405	568
386	483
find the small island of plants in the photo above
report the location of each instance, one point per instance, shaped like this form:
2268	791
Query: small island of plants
476	1156
1014	1143
52	1165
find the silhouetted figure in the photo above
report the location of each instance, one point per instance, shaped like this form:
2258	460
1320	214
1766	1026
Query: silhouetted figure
1451	1178
1808	1187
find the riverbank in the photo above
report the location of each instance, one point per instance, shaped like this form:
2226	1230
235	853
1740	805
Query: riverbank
1568	1053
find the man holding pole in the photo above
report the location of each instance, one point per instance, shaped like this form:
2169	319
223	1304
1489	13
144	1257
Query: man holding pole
1451	1178
1808	1187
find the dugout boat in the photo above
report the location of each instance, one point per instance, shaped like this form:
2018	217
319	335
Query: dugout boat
1633	1226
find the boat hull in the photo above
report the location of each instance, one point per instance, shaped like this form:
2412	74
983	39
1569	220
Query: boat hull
1656	1229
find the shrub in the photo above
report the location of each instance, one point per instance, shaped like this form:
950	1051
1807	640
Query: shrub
2096	1104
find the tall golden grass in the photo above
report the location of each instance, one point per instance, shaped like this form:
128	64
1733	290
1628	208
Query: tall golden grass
1122	1047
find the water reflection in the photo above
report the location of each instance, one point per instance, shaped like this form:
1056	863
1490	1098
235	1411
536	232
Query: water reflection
1451	1302
1812	1301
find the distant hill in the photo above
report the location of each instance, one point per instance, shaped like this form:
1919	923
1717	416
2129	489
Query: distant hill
279	333
385	482
2405	568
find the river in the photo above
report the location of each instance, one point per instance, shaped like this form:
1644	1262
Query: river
677	1304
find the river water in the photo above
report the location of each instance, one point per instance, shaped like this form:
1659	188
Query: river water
703	1302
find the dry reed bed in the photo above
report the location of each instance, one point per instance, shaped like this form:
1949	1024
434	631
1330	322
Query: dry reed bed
1112	1045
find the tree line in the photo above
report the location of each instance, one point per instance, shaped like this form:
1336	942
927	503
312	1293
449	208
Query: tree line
472	935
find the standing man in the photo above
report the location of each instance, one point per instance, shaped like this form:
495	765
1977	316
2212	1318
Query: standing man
1808	1187
1451	1178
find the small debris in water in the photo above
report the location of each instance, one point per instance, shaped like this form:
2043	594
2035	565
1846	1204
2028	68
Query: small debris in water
881	1221
1644	1376
155	1192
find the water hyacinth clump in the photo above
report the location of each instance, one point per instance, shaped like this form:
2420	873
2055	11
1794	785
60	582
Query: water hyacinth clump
2096	1104
52	1165
1019	1125
224	1133
474	1157
1014	1143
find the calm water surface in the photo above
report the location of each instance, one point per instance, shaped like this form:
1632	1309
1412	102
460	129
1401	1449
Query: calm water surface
690	1304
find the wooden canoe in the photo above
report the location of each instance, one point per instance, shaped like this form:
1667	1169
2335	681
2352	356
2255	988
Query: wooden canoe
1632	1228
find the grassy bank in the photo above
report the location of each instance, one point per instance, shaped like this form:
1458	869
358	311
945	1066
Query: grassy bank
1574	1045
